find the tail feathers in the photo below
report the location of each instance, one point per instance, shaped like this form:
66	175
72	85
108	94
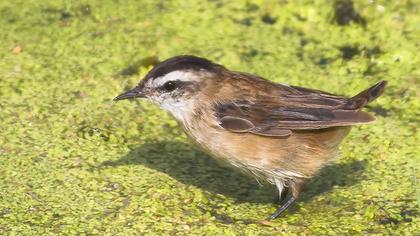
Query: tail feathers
368	95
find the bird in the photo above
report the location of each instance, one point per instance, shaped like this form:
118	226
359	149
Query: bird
277	133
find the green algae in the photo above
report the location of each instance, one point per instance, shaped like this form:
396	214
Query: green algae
73	162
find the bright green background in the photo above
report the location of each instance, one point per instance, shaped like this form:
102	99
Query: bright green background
74	162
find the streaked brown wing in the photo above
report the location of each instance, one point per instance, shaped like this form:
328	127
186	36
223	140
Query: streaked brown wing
273	109
278	116
312	98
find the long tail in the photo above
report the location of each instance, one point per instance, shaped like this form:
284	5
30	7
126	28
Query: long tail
368	95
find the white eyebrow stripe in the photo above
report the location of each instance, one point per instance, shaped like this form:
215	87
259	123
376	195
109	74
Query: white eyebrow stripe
174	75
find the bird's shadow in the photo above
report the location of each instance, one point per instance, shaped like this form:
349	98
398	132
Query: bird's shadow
193	167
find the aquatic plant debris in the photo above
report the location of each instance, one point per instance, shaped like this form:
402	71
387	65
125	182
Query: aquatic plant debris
73	162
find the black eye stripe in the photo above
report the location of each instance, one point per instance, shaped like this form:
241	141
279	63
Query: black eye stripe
170	86
173	85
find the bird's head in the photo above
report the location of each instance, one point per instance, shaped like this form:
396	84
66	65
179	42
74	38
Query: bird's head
174	83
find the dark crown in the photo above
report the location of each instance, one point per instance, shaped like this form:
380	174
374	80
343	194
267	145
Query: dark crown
185	62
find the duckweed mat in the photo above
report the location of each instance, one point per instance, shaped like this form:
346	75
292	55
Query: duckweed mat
73	162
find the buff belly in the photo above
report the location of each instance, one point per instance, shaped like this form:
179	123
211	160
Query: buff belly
269	159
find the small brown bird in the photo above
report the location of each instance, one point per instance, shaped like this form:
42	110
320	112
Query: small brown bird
277	133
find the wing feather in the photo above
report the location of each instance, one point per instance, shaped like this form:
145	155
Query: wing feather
276	119
278	109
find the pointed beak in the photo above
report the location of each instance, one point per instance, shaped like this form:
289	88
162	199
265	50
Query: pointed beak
136	92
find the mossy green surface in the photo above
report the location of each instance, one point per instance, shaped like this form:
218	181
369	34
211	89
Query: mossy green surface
73	162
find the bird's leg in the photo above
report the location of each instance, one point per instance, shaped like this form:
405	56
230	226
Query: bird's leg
282	208
280	186
296	187
284	195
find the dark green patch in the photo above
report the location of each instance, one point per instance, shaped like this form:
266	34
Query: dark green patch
266	18
345	13
133	68
348	52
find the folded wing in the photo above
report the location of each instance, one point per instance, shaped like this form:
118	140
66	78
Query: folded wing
302	109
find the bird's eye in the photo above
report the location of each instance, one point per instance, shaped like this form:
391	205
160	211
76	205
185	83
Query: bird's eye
169	86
